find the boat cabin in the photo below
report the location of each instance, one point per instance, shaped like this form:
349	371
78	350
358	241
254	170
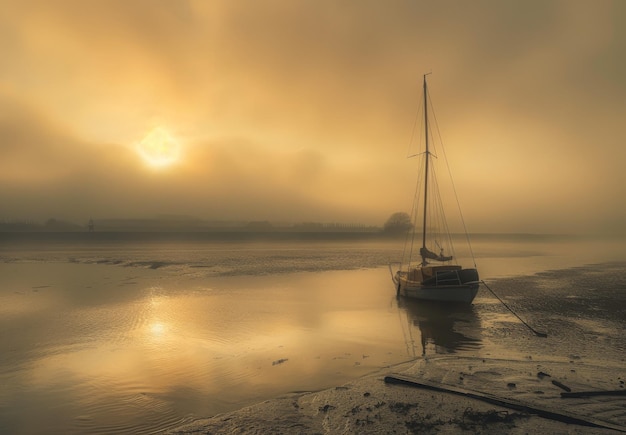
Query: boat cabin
425	273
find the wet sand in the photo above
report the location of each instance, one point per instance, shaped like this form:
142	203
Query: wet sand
104	341
372	406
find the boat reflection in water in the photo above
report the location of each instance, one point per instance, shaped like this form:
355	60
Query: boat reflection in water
444	328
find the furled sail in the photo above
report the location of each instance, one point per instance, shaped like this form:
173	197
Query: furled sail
425	253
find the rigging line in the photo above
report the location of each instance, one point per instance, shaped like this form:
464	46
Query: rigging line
415	210
447	231
410	237
410	234
440	217
456	196
438	209
418	112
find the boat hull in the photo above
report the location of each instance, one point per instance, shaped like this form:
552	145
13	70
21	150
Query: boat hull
463	291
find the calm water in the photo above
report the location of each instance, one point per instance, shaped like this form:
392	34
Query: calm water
121	338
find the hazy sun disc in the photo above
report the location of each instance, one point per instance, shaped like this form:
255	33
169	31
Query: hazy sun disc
157	328
158	149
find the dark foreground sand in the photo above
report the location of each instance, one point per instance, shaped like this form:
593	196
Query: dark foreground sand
372	406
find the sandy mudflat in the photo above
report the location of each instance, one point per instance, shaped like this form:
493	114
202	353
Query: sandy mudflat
369	405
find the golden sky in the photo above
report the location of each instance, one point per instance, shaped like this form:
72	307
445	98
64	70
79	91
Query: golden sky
303	110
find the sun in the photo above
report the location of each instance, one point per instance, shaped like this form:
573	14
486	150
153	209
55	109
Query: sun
157	328
158	149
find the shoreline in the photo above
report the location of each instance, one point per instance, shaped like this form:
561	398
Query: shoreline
278	235
370	405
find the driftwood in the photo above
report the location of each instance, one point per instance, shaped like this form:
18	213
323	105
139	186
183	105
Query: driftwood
561	386
593	393
544	412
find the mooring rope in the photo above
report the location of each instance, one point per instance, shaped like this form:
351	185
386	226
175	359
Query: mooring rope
538	334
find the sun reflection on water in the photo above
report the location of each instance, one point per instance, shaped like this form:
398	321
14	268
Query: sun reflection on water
158	314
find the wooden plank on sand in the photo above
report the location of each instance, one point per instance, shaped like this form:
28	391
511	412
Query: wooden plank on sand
544	412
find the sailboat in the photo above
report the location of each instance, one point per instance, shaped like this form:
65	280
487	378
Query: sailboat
426	274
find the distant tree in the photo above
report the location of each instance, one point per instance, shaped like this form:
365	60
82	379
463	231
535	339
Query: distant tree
399	222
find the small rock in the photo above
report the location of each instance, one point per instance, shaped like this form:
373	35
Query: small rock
326	408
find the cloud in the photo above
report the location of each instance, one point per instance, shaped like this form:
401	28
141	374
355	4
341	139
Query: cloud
303	110
54	174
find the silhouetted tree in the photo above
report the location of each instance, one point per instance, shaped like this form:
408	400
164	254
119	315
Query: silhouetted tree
399	222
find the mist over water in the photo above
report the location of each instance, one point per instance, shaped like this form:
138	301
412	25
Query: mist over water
140	337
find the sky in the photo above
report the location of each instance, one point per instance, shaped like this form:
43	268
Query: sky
293	111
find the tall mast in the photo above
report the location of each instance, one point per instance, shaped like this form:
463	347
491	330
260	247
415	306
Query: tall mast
426	172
